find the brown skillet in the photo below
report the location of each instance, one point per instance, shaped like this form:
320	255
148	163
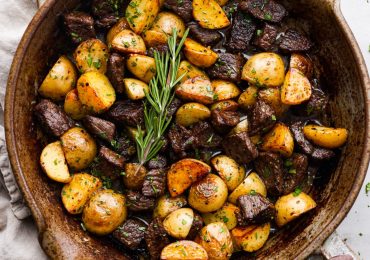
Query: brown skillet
61	236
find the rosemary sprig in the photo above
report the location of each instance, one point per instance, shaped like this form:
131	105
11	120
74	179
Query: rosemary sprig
156	120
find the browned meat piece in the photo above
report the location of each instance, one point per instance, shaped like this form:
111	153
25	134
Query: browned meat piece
240	147
179	137
296	167
302	143
203	136
112	157
158	162
124	146
52	118
206	37
267	10
116	72
183	8
262	118
138	202
162	48
107	164
196	226
317	103
79	26
231	8
269	167
127	113
174	105
106	12
156	238
266	37
224	121
130	233
242	31
254	209
154	183
99	127
294	41
227	67
320	154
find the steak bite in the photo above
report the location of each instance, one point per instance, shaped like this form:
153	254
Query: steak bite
124	146
79	26
227	67
293	41
161	48
183	8
130	233
127	113
206	37
224	121
174	106
204	136
262	118
99	127
116	72
267	10
106	12
240	147
112	157
154	183
317	102
156	238
296	168
157	162
179	137
266	37
138	202
242	31
321	154
196	226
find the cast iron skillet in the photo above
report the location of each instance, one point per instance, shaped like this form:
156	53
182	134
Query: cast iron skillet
61	236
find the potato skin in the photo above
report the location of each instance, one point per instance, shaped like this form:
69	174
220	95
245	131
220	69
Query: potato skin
296	88
73	106
104	212
226	214
91	55
225	90
225	105
167	204
134	179
178	223
326	137
302	63
126	41
135	89
209	14
121	25
242	126
79	148
248	98
191	113
140	14
272	97
198	89
184	248
252	183
189	71
199	55
280	140
229	170
251	238
143	67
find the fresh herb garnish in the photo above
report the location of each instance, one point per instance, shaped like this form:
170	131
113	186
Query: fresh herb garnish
367	188
297	191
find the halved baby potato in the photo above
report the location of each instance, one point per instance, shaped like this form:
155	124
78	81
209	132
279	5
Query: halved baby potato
225	90
229	170
296	88
253	183
226	214
167	204
189	71
302	63
198	89
279	140
184	249
134	176
154	38
143	67
73	106
178	223
250	238
60	80
121	25
327	137
191	113
54	163
135	89
225	105
242	126
199	55
91	55
126	41
272	96
209	14
140	14
248	98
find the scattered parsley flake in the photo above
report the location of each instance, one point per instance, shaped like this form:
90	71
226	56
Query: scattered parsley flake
297	191
367	188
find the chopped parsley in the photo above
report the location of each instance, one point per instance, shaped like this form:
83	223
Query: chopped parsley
267	16
297	191
367	188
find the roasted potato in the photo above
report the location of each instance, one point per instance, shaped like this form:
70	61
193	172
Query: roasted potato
248	98
143	67
226	214
326	137
140	14
291	206
302	63
208	194
229	170
250	238
184	173
242	126
225	105
154	38
199	55
178	223
95	92
189	71
135	89
126	41
134	176
91	55
191	113
78	191
184	249
121	25
215	238
73	106
264	69
60	80
225	90
198	89
54	164
252	183
296	88
209	14
167	204
79	148
272	97
104	212
279	140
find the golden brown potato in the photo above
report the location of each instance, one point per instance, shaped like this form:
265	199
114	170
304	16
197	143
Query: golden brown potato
198	89
154	38
178	223
78	191
208	194
215	238
291	206
225	90
104	212
95	92
296	88
302	63
252	183
225	105
326	137
184	249
191	113
226	214
209	14
126	41
229	170
184	173
189	71
60	80
279	140
242	126
167	204
91	55
264	69
54	164
79	148
121	25
135	89
134	176
272	96
248	98
143	67
251	238
140	14
199	55
73	106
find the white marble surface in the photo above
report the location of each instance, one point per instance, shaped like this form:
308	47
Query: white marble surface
355	228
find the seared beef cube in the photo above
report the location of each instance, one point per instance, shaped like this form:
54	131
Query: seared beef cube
203	136
254	209
240	147
102	128
106	12
300	140
157	162
320	154
196	226
227	67
317	102
154	183
179	138
138	202
242	31
294	41
174	105
127	113
124	146
231	8
79	26
183	8
116	72
207	37
266	37
224	121
262	118
112	157
269	167
296	167
52	118
156	238
162	48
267	10
130	233
108	164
